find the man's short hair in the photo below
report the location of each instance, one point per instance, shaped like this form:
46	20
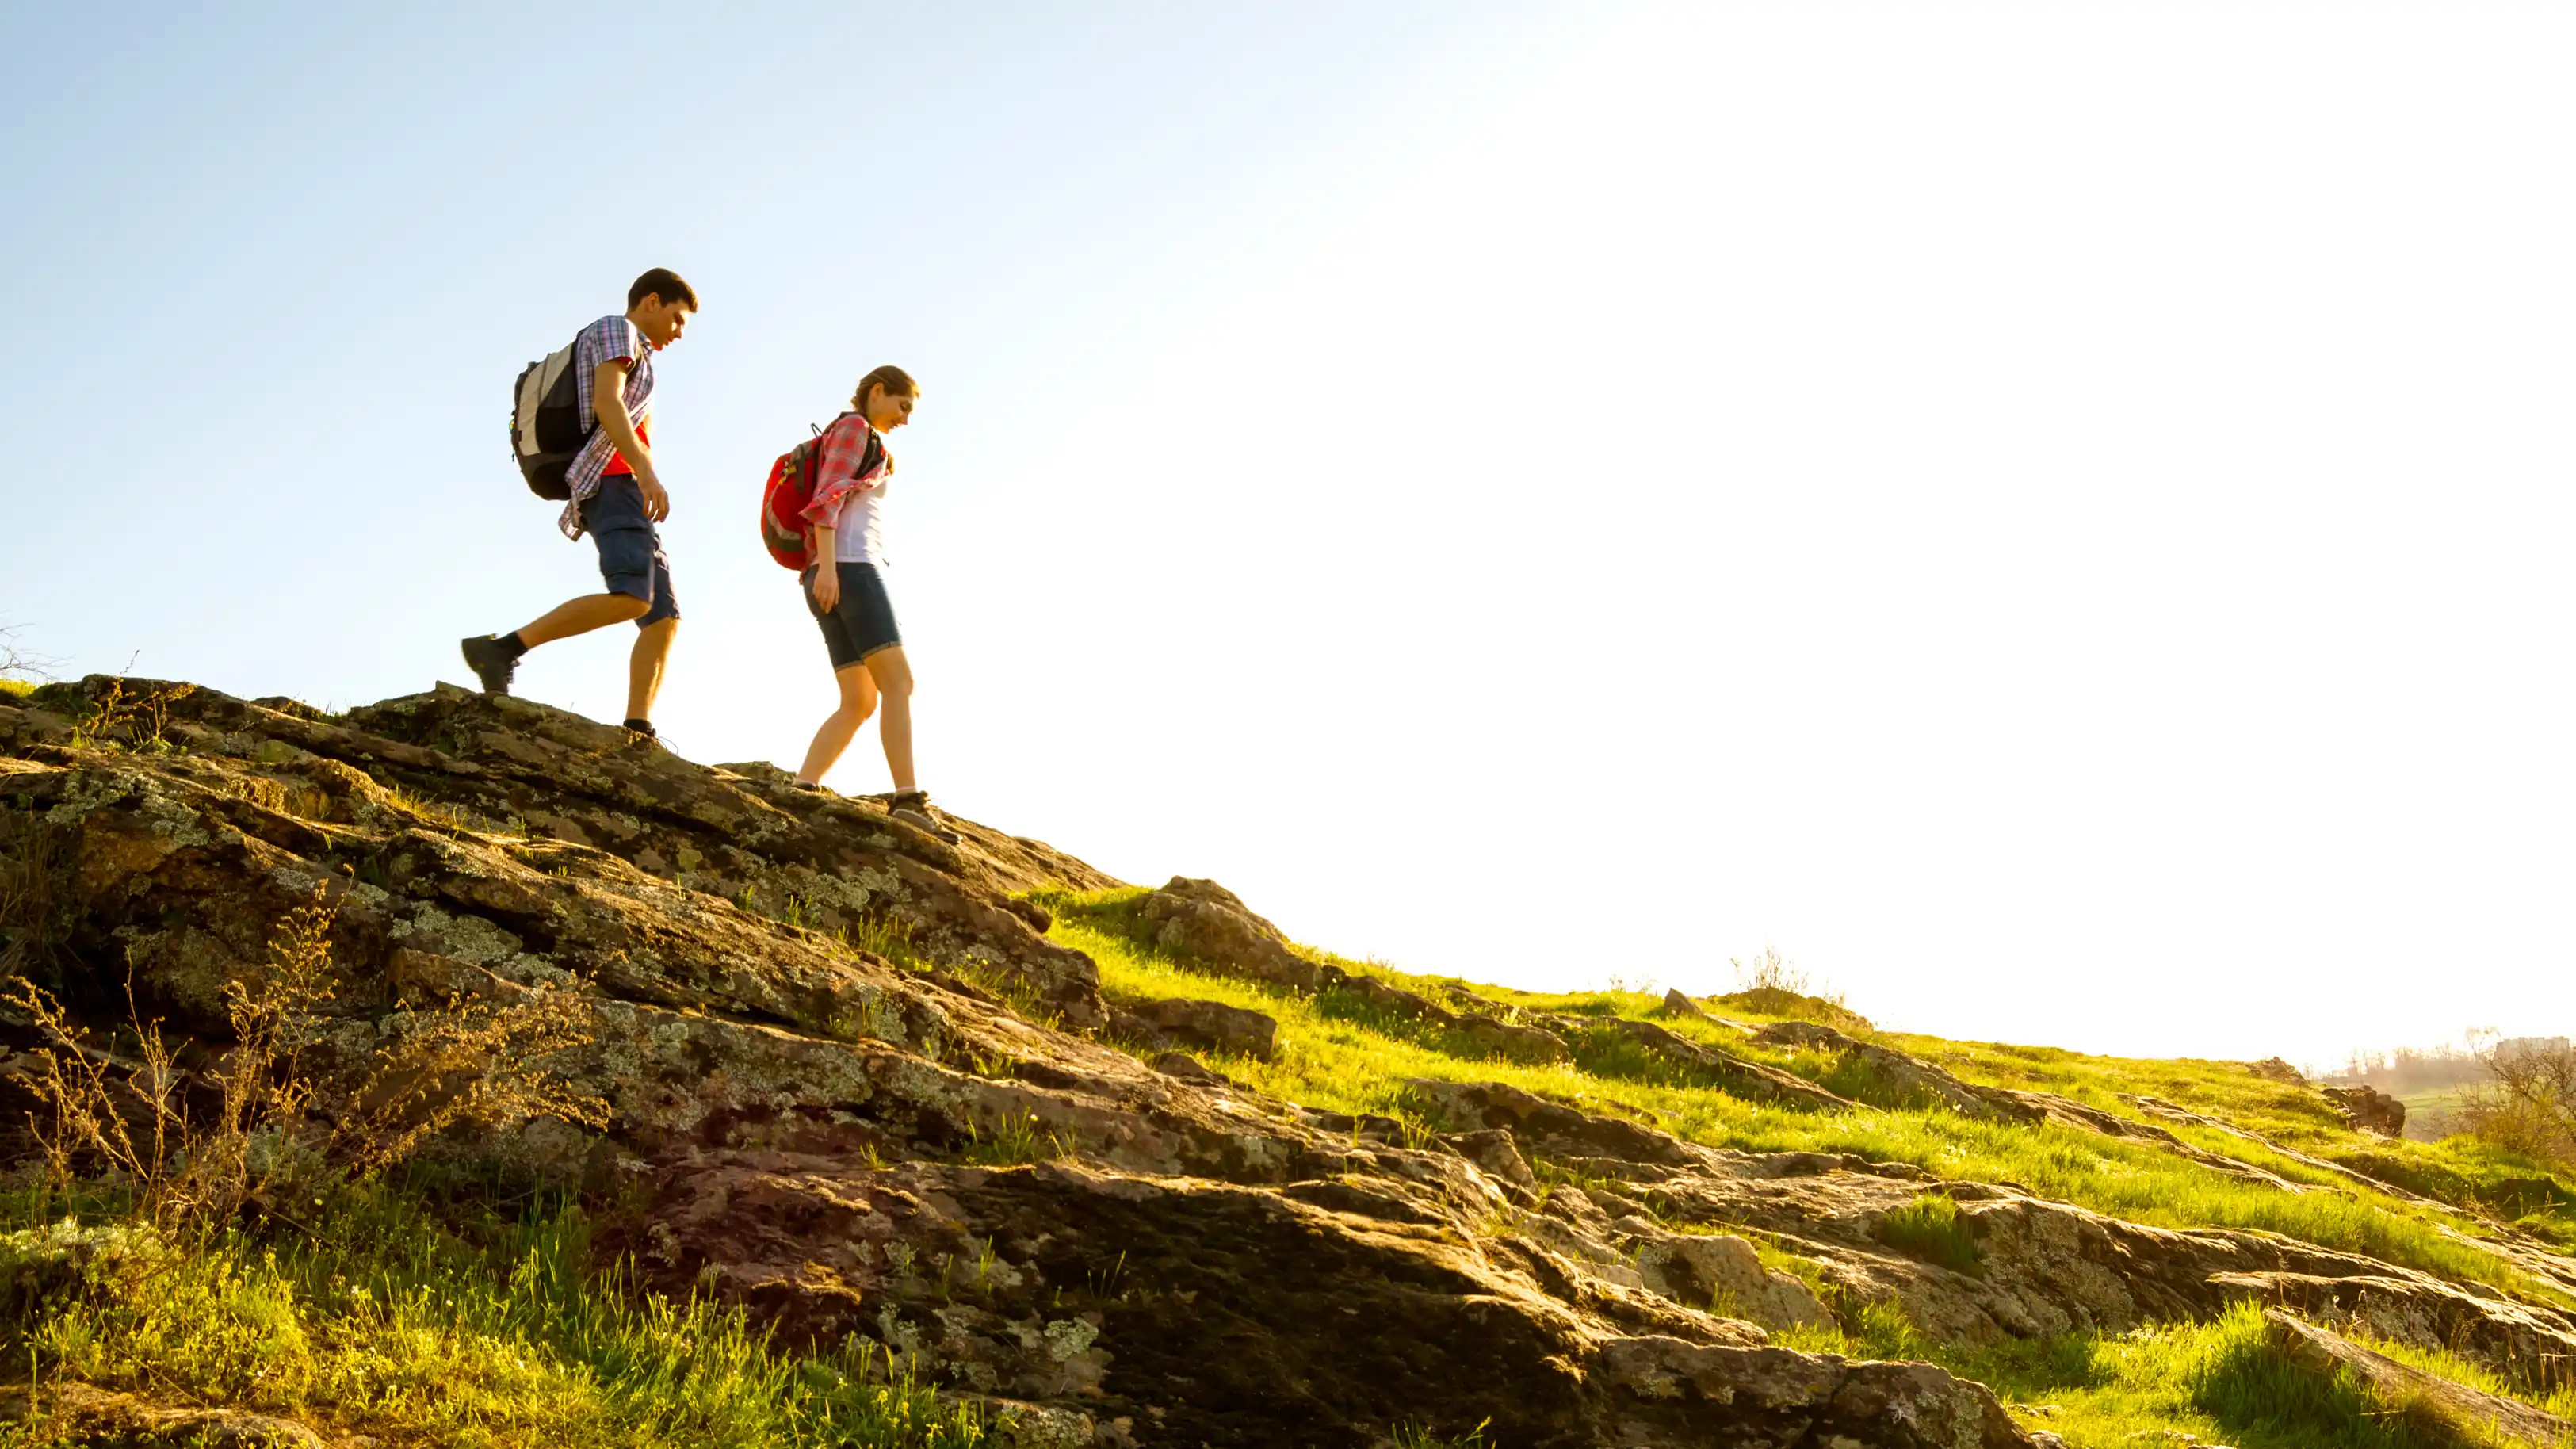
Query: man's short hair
664	283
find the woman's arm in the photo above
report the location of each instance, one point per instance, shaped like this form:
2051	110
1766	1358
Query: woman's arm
827	571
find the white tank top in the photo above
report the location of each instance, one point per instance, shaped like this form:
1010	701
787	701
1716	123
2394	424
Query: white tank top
860	535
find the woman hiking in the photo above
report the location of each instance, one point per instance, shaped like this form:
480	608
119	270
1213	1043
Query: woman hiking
845	589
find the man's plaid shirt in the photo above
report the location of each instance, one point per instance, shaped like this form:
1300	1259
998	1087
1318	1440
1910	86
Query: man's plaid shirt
606	340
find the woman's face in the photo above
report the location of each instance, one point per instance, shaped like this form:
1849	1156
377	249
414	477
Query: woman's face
888	409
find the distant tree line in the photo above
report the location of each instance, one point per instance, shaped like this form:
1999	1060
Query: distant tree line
2408	1070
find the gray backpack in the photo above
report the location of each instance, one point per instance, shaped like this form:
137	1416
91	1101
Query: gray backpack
545	424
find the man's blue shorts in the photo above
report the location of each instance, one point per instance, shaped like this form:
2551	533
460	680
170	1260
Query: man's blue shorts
631	561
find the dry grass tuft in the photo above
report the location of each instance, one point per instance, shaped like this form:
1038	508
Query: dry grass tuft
196	1145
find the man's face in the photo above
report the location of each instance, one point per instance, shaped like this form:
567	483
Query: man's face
662	322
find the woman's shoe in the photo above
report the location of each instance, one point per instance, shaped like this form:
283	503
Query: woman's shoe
912	807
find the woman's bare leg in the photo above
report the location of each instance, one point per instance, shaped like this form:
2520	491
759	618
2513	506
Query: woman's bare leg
893	675
858	701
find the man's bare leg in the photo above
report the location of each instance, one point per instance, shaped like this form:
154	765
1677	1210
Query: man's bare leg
893	675
644	666
580	616
858	701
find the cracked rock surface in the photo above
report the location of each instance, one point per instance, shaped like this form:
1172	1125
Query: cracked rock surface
853	1085
934	1149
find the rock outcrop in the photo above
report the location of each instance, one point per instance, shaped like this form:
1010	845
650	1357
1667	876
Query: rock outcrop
2369	1109
1900	1077
1200	1025
1488	1032
1725	1069
1209	924
2460	1413
1779	1001
850	1084
2044	1267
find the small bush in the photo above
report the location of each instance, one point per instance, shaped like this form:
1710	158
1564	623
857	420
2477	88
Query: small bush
2529	1103
1771	986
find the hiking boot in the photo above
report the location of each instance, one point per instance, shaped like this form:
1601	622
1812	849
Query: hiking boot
912	807
491	661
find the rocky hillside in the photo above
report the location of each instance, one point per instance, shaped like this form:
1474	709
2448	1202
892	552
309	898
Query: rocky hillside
1104	1165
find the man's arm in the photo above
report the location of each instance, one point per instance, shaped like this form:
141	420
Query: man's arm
608	400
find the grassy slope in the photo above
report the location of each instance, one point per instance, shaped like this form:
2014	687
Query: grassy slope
2217	1380
443	1313
401	1316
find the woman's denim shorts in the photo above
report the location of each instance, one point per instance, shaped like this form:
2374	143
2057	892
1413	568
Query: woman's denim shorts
863	622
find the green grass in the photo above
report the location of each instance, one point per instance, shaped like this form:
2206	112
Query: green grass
1408	1436
386	1319
1013	1142
2483	1179
17	688
1339	1060
1929	1229
393	1314
2222	1381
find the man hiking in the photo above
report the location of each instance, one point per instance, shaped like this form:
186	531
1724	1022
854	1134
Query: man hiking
616	499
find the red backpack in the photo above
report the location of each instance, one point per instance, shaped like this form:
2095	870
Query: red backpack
790	491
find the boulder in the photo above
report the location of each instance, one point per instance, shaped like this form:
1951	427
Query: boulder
2369	1109
1676	1004
1493	1150
1188	1068
1779	1001
1723	1272
1492	1034
2468	1415
2273	1069
1209	924
1206	1026
1731	1073
1521	1043
1902	1080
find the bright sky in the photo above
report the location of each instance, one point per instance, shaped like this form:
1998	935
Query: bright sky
2053	516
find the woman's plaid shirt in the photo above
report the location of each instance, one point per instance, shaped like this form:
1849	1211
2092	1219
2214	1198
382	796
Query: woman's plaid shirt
838	453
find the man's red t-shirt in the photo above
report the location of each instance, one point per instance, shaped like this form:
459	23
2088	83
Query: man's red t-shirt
617	461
